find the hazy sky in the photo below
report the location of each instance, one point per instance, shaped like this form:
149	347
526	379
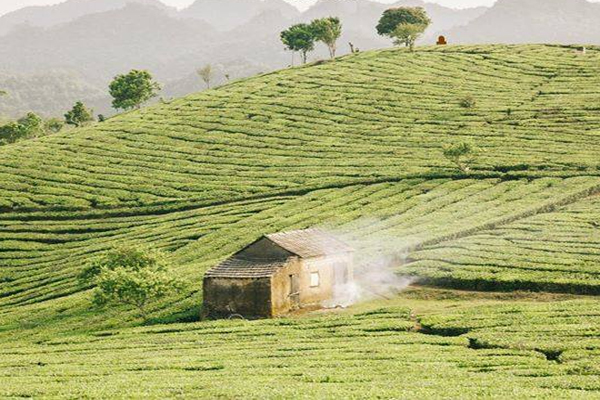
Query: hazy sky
10	5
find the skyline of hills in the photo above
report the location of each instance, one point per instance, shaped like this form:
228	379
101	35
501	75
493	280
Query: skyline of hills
144	34
91	42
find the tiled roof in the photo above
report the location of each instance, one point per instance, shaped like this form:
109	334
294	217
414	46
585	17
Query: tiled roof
240	268
310	243
304	243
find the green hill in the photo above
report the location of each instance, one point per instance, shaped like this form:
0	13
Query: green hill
354	144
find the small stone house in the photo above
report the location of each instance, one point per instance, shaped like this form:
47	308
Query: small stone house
277	274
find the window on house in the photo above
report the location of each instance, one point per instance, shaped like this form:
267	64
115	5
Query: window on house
314	279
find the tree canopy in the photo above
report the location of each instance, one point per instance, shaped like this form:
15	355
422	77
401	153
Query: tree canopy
403	24
327	30
461	155
206	74
299	37
130	276
133	89
79	115
29	126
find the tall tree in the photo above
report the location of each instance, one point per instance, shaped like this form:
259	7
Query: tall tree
133	89
79	115
327	30
404	24
299	37
206	74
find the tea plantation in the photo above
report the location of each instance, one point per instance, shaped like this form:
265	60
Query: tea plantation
353	145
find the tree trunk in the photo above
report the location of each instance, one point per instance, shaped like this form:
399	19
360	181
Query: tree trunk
304	56
142	310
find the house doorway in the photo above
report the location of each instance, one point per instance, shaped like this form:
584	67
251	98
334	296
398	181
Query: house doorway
294	291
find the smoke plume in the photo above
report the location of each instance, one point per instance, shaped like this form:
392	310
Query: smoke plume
377	255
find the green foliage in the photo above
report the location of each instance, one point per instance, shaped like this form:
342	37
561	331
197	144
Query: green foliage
79	115
133	89
130	276
327	30
32	123
299	37
53	125
206	74
403	24
407	34
461	155
12	132
29	126
470	102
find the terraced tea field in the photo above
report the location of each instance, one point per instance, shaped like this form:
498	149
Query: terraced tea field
355	146
376	351
375	115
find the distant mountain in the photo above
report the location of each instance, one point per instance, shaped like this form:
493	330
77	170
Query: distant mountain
533	21
50	93
48	16
139	34
225	15
104	44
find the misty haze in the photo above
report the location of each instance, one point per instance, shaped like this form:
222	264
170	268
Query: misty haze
299	199
53	56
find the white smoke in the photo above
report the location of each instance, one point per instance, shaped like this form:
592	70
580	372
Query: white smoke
378	254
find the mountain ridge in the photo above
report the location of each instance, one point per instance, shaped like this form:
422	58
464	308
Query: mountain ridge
97	47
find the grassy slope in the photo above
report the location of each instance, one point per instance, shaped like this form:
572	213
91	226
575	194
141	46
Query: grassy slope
353	144
372	351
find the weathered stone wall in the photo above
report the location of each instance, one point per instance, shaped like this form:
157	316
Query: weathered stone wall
249	297
281	301
331	269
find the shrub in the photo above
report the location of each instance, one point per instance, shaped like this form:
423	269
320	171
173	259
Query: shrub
468	102
130	276
461	155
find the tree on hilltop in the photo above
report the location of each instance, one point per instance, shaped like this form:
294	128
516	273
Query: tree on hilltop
79	115
404	25
27	127
133	89
206	74
327	30
130	276
299	37
53	125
